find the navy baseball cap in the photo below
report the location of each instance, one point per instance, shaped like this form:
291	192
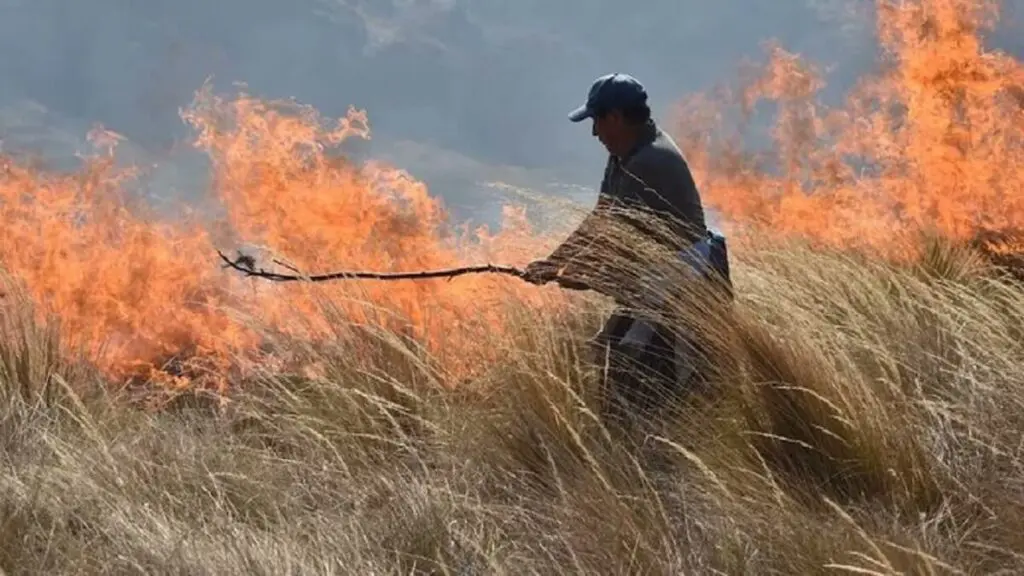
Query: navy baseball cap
609	92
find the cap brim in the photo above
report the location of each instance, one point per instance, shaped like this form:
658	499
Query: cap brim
580	114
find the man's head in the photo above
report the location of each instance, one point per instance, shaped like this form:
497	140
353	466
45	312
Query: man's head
617	105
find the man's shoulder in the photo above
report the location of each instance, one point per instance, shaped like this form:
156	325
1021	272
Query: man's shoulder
662	152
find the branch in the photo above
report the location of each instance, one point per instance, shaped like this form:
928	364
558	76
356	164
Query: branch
247	265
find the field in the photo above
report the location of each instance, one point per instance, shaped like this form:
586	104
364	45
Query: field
160	414
869	422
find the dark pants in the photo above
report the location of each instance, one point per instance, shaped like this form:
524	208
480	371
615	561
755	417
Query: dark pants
636	380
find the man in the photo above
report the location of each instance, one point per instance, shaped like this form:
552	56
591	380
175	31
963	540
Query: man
647	187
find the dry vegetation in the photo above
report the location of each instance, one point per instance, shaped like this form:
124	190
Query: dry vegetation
867	421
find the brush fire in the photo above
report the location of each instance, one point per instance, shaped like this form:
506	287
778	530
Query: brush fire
932	142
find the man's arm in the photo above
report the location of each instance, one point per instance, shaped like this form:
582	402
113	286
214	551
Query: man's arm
600	237
664	190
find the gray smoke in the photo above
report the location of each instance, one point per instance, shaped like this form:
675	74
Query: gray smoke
458	92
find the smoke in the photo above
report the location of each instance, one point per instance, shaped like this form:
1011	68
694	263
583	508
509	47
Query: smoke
487	81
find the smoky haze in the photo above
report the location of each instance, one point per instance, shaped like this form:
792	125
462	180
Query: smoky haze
457	92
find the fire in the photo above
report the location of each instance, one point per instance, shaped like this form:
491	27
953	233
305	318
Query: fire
934	142
122	286
133	290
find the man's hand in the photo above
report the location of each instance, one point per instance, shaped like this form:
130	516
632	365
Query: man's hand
540	272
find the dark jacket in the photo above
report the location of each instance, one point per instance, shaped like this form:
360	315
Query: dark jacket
652	181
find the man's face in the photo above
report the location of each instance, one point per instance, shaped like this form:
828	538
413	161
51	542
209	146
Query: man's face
609	129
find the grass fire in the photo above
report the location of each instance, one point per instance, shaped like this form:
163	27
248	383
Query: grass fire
160	413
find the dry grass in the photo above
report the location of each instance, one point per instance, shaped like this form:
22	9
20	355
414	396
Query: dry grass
867	421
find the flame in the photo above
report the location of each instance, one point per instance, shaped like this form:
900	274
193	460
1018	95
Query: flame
933	142
133	290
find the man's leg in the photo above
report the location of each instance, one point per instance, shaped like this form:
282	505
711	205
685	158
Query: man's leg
650	356
637	362
605	354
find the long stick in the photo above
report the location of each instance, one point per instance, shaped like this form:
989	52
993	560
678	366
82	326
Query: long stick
246	265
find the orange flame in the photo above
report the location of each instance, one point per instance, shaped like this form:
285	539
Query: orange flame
931	143
133	290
